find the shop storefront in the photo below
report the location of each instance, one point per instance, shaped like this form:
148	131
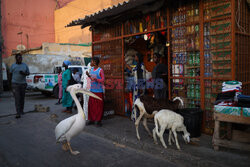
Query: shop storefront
203	43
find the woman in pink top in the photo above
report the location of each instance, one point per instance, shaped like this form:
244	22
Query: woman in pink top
95	106
60	92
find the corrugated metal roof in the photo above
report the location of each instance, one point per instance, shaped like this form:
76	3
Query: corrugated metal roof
100	16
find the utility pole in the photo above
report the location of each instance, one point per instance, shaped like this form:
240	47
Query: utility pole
1	50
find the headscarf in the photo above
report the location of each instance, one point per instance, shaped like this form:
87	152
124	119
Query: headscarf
67	62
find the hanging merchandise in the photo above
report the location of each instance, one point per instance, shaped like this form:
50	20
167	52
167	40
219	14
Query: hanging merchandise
140	27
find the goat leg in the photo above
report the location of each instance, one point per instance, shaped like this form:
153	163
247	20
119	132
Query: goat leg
161	136
137	125
146	126
154	136
170	138
176	140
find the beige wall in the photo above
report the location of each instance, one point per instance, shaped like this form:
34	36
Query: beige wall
74	51
73	11
53	53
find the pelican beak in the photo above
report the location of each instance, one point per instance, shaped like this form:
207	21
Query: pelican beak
81	90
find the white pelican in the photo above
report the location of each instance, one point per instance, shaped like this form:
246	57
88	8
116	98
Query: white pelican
72	126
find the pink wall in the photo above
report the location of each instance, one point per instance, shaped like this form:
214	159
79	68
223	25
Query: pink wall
34	18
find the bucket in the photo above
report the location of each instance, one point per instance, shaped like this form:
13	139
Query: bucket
192	120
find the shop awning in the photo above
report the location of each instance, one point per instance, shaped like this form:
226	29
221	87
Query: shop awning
122	11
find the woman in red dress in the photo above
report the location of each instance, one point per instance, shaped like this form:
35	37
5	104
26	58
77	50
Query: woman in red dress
95	106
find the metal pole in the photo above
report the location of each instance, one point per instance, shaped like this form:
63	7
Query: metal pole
202	81
233	56
169	54
1	44
123	67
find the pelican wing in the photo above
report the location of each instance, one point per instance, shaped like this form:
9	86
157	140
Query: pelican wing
64	126
84	91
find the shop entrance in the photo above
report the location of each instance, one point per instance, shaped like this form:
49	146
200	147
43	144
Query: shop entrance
139	64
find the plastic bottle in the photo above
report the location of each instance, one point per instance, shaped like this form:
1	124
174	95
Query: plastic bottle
193	104
192	44
209	57
196	28
210	70
192	13
192	29
205	71
206	43
140	27
194	72
190	73
192	91
185	58
205	57
194	58
188	15
197	91
190	59
198	58
188	91
197	43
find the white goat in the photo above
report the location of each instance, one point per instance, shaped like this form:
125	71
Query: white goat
168	119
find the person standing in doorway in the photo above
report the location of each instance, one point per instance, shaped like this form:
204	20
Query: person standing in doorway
159	76
19	71
60	92
95	106
138	83
67	100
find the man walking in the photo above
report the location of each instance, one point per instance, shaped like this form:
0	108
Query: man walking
19	71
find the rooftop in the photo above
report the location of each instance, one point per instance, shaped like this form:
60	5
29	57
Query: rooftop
122	11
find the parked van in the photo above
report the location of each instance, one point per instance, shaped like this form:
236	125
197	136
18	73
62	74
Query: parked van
47	82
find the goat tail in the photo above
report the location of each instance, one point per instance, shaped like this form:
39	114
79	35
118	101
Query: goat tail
156	125
181	101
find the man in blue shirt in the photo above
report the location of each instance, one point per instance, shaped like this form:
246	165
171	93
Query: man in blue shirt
19	71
